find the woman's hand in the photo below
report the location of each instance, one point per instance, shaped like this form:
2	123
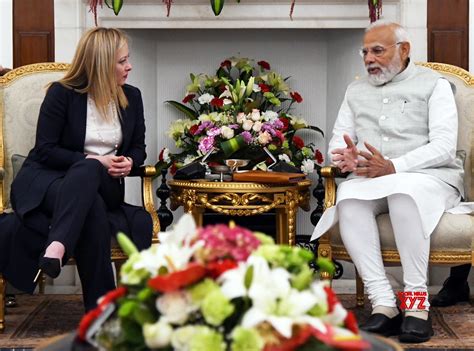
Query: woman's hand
106	160
121	167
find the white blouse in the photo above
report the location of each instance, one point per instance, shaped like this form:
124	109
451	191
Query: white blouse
102	137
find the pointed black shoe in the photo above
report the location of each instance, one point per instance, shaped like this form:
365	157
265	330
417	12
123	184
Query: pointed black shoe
451	293
380	324
416	330
50	266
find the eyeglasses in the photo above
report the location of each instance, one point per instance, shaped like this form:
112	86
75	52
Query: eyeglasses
377	51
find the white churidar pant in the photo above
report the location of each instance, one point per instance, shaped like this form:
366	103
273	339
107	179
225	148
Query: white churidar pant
415	203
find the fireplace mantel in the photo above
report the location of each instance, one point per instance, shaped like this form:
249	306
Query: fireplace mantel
249	14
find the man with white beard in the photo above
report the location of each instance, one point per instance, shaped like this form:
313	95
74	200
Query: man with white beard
396	134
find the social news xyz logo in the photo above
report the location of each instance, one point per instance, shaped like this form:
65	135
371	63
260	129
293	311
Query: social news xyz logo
412	300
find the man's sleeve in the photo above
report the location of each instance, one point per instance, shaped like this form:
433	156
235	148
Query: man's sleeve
344	125
443	133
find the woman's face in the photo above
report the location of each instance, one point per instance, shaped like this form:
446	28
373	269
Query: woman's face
123	65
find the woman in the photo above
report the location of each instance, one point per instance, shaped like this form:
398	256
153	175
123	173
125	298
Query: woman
90	134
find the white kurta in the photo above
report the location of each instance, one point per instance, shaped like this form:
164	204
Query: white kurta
431	195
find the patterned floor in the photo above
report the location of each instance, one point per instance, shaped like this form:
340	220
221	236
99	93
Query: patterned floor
38	318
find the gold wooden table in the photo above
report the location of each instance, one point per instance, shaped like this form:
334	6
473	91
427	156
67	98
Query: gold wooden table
244	199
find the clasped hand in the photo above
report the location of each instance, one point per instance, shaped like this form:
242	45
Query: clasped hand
371	165
117	166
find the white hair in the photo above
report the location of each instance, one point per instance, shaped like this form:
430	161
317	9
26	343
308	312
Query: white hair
401	35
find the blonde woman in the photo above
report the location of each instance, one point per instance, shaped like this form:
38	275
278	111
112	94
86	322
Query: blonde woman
90	134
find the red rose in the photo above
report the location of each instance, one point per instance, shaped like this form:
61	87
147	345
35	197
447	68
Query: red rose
264	64
280	136
217	102
285	122
264	88
188	98
296	97
173	168
160	157
226	64
318	156
299	143
193	129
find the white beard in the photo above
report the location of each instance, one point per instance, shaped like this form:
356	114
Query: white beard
387	73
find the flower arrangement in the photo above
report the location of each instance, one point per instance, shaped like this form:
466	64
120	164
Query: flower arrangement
219	288
243	111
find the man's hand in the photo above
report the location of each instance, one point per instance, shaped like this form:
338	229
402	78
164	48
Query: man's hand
346	157
374	165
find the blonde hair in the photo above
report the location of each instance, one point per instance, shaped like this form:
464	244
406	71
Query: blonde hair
93	68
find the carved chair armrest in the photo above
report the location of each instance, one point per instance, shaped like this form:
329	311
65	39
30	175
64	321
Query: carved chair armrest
148	173
330	173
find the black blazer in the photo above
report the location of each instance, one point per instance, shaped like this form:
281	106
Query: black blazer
60	139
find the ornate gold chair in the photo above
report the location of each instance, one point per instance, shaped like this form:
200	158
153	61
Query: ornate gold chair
21	93
452	240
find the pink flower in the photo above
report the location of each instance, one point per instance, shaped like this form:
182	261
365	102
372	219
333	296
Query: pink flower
222	241
206	144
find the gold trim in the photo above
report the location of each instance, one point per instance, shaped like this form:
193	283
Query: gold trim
392	256
450	69
22	71
148	203
235	186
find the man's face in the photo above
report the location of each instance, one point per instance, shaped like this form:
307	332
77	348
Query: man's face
383	56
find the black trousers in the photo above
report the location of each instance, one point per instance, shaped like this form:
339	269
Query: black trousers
78	205
459	274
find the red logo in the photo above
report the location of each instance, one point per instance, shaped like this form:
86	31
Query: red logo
412	300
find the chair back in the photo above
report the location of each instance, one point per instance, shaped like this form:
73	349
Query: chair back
22	91
463	82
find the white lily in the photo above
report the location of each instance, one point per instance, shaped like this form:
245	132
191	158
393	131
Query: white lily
205	98
273	299
174	251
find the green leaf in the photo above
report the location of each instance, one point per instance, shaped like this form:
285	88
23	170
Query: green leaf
325	265
117	6
183	108
107	4
127	308
315	129
248	277
217	6
126	244
143	315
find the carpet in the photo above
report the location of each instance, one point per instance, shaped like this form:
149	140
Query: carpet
41	317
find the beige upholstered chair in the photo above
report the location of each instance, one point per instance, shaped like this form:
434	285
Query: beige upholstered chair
21	93
452	240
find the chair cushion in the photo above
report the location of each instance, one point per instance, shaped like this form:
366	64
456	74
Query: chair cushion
17	162
453	233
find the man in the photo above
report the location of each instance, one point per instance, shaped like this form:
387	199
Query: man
396	133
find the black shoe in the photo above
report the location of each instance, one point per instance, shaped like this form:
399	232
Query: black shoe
451	293
415	330
380	324
10	301
49	266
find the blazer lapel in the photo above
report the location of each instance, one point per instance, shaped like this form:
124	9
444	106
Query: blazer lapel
81	119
